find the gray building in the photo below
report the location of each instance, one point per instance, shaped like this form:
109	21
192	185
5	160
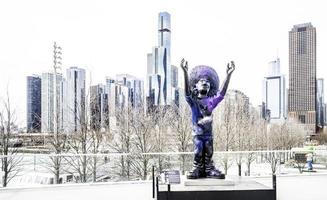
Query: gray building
111	91
33	109
274	92
320	103
99	107
47	102
174	84
302	75
74	99
159	66
135	89
325	114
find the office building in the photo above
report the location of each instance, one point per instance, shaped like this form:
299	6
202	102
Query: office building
33	110
302	75
74	99
274	92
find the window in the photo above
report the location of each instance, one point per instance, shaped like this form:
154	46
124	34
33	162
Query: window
302	119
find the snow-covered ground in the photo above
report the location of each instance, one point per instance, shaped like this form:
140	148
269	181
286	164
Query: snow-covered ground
289	187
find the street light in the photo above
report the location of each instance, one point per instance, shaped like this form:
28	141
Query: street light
56	65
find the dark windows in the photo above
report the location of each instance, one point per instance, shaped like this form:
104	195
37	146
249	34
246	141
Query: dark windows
302	119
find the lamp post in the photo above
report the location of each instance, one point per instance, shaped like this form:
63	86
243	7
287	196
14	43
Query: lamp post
56	65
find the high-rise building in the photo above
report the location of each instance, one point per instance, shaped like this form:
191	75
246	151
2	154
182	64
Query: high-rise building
159	62
240	98
174	84
33	110
99	107
74	99
47	102
325	114
320	103
153	99
135	89
111	91
302	75
274	92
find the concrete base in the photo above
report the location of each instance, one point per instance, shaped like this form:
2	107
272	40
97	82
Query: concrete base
209	182
212	189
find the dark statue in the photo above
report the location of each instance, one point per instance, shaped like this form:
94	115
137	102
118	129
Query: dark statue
203	94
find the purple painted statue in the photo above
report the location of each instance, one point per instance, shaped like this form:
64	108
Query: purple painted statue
203	95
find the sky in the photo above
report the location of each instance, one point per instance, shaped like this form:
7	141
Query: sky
111	37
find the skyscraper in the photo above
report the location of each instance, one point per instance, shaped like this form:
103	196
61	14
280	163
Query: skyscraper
159	62
274	93
302	75
174	84
135	89
33	104
47	102
320	103
74	99
99	107
111	91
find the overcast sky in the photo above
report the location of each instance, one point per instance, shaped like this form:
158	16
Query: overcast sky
110	37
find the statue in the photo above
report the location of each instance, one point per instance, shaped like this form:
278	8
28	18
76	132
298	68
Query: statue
202	93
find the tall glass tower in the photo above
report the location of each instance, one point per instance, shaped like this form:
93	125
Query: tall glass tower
274	92
33	104
159	64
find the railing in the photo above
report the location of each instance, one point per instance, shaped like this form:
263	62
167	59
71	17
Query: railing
76	168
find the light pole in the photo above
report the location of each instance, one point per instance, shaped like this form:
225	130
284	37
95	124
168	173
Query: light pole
56	65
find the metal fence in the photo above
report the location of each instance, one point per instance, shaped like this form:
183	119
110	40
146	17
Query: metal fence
38	169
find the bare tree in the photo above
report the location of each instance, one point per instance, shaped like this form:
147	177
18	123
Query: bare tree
85	138
143	142
224	129
10	161
241	114
322	137
97	140
181	126
283	136
162	117
122	140
255	129
58	146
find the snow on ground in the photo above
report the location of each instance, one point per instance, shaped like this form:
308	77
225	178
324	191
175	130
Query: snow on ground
290	187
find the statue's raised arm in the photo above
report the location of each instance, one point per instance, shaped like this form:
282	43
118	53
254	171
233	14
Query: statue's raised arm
230	69
184	66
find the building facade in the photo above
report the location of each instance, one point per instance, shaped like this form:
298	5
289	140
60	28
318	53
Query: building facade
47	102
33	109
174	85
302	75
274	93
320	104
74	99
159	65
135	89
99	107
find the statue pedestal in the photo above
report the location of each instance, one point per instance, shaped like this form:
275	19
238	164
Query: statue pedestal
209	182
211	189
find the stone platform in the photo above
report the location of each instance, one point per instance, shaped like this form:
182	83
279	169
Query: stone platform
208	182
210	189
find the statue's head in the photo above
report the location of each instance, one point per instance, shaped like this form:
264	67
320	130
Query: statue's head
204	81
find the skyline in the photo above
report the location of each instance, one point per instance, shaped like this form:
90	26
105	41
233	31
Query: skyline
90	43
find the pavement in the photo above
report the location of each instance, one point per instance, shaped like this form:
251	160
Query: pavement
298	187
